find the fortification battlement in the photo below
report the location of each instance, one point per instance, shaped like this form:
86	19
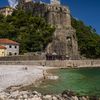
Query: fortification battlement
58	8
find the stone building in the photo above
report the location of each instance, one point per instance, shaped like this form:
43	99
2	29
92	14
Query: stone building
3	51
65	41
12	47
6	11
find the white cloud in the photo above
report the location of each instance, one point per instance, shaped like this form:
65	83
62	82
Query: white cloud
13	3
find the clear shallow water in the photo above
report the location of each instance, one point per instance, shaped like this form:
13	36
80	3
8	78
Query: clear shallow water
83	81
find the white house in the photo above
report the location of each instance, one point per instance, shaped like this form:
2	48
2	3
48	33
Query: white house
12	47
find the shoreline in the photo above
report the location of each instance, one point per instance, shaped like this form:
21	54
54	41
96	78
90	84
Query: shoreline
13	75
16	75
12	91
23	75
34	95
31	72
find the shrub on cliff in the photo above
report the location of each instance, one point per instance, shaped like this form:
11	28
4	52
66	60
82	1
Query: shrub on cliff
33	33
88	39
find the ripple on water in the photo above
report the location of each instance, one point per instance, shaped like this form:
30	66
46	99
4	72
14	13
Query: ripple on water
83	81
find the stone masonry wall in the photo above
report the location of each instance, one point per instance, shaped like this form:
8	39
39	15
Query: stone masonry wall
74	63
64	40
56	63
22	58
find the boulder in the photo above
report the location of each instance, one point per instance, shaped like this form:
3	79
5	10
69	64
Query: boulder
54	98
47	97
51	77
74	98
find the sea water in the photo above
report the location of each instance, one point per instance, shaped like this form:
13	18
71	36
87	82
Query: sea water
84	81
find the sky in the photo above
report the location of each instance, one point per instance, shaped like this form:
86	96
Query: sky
85	10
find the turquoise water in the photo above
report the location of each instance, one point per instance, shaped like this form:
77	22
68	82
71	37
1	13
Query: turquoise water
83	81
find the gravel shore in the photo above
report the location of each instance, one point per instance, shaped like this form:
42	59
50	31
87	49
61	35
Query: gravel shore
14	75
34	95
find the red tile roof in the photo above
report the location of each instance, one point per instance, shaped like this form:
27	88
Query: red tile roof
7	41
2	47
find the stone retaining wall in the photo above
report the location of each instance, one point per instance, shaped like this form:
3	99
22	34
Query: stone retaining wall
37	62
56	63
74	63
22	58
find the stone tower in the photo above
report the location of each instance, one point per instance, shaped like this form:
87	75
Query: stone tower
24	1
55	2
58	15
21	3
64	41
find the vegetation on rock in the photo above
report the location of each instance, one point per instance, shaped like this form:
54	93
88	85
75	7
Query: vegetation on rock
33	33
88	39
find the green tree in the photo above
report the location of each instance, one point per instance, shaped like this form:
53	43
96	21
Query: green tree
33	33
88	39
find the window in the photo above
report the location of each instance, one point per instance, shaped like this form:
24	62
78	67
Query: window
10	53
15	53
15	46
10	46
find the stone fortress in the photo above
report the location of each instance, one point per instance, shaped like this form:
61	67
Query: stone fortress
64	41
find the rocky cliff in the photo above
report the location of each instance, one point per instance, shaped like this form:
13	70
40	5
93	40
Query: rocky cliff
64	41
